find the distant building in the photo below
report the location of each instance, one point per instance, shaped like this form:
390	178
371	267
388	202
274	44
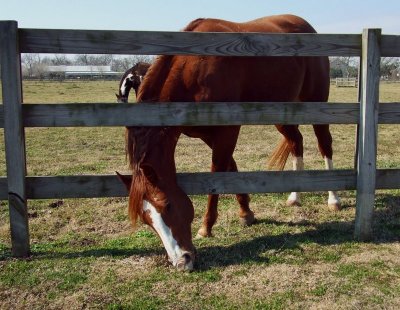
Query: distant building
81	72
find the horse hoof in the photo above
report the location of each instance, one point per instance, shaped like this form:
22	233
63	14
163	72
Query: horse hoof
203	233
293	203
334	206
248	219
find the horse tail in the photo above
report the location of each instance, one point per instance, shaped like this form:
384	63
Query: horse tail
279	156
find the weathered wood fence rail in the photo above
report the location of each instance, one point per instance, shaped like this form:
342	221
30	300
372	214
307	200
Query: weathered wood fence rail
15	116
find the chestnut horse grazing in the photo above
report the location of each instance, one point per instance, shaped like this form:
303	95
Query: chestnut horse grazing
154	194
132	78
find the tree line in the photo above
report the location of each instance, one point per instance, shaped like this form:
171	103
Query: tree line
347	67
34	65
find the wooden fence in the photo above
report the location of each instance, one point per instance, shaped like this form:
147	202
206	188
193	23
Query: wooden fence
15	116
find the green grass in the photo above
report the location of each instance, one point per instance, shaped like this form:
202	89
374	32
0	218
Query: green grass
85	253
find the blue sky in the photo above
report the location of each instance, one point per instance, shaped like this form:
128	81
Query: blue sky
334	16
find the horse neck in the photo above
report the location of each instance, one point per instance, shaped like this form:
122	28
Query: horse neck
142	67
152	84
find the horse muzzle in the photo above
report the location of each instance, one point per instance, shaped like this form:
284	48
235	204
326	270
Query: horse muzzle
185	262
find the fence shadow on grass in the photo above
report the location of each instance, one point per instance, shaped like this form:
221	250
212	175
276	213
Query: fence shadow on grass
115	252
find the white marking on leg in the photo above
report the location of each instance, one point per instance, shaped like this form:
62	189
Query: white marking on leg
294	197
333	197
175	253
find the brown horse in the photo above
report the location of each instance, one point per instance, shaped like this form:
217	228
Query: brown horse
154	195
132	78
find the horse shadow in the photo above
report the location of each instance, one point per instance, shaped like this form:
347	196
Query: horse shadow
386	229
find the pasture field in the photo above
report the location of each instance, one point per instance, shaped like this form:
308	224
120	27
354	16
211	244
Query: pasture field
86	255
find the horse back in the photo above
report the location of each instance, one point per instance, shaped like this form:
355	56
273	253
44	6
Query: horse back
268	24
216	78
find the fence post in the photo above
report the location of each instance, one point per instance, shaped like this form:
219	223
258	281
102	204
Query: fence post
368	131
14	137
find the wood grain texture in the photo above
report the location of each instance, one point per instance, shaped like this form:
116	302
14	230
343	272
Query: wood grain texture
196	183
94	186
388	179
1	116
14	137
367	149
187	43
3	189
172	114
390	46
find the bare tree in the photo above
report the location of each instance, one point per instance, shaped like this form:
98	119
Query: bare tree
29	62
60	59
388	66
122	64
82	60
347	65
93	60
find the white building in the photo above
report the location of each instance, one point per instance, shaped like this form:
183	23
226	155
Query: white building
77	72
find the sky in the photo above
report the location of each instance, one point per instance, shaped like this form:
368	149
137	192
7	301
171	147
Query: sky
334	16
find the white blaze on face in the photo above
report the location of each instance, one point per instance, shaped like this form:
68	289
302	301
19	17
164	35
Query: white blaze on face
175	253
123	85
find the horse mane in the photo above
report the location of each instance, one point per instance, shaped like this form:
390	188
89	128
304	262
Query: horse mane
153	81
137	144
156	75
139	140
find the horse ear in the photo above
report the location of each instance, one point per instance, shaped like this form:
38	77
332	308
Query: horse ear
127	180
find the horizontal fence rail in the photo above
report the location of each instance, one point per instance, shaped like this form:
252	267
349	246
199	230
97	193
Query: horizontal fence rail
187	114
187	43
390	46
196	43
92	186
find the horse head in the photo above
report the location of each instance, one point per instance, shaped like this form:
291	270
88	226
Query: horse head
154	195
132	78
125	85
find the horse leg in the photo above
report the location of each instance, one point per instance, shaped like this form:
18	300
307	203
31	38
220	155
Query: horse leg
222	147
210	217
294	140
246	216
325	147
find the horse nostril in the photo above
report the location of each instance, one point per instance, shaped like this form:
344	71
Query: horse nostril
185	262
187	258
